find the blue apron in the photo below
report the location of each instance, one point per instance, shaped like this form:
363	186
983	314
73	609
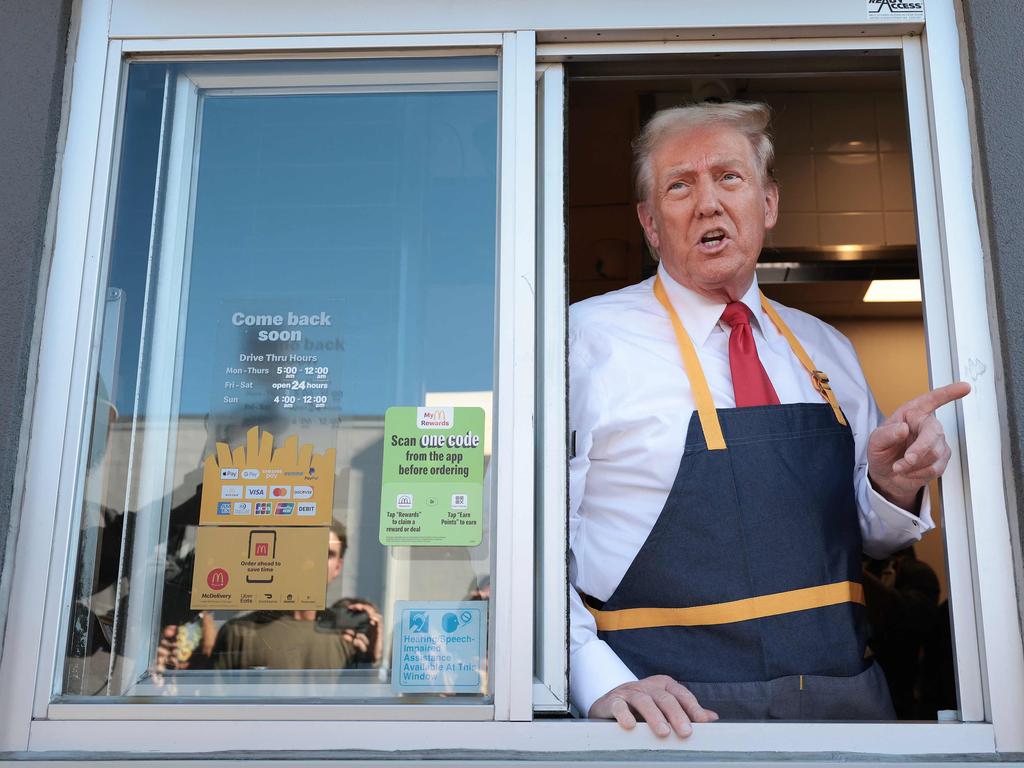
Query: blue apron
748	588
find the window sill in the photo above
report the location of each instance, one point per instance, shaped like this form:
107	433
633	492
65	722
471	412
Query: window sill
277	732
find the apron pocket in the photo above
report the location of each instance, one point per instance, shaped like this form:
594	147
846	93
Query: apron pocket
734	701
864	696
860	697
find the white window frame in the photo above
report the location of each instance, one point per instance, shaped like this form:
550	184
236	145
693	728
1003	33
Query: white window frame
988	637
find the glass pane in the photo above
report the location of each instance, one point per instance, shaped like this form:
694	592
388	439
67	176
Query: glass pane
287	484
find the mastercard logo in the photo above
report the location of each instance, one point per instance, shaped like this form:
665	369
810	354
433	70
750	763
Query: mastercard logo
280	491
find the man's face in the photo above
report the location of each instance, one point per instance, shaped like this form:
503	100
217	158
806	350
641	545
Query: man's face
708	209
333	557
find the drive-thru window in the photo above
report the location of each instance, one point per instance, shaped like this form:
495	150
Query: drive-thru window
297	469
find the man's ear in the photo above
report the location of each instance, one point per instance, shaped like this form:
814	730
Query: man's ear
646	216
771	204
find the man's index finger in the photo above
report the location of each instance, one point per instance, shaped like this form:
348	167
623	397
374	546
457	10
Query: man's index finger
930	402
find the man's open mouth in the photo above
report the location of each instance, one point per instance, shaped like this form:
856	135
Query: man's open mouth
714	237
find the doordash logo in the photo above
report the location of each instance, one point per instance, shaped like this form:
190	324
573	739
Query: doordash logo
435	418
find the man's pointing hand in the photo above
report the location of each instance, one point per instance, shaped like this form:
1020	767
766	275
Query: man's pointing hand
909	449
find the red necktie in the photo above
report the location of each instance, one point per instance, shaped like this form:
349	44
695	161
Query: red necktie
750	382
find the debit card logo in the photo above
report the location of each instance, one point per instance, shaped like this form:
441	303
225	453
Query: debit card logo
306	510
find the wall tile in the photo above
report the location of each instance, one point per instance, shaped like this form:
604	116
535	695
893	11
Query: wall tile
900	228
844	123
791	122
851	229
848	182
605	241
795	174
892	122
794	230
897	189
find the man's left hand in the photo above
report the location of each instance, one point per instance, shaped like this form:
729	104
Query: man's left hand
909	449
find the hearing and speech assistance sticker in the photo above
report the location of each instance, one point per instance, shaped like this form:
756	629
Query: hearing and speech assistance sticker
440	647
433	476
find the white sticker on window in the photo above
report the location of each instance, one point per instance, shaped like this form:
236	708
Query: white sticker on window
895	10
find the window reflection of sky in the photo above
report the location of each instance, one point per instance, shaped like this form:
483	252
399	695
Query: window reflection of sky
382	205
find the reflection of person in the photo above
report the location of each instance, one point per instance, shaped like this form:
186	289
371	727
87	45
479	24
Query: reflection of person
718	551
346	635
902	598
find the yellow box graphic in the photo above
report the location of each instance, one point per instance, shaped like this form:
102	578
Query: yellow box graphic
260	568
256	485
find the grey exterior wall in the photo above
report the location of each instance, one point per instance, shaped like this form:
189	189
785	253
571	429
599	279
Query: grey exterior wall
993	30
33	41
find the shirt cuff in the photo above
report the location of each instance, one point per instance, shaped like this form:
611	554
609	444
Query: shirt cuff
911	526
594	669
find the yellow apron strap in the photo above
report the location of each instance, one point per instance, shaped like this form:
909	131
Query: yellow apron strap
727	613
820	378
701	393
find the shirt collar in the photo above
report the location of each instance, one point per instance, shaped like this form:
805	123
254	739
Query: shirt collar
700	314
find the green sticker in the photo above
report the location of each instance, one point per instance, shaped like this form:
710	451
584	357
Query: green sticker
433	477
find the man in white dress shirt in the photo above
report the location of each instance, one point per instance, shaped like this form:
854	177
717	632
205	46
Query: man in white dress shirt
706	201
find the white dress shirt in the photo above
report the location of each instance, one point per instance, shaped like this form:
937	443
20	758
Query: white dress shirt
630	405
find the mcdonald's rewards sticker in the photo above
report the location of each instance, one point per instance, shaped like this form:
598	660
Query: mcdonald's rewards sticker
260	568
432	477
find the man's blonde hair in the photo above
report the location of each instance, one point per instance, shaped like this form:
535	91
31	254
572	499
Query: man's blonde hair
749	118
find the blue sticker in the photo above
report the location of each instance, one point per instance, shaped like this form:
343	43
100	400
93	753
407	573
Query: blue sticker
439	647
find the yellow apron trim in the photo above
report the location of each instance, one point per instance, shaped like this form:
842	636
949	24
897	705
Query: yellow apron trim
702	394
819	377
733	611
699	384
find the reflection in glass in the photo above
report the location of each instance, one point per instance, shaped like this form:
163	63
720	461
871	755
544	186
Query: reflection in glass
296	247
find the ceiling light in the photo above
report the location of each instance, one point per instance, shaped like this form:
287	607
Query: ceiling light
849	252
893	290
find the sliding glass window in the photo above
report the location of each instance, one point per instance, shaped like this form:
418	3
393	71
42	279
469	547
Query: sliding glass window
287	485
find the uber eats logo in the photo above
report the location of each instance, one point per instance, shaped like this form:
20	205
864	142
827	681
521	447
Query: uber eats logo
895	7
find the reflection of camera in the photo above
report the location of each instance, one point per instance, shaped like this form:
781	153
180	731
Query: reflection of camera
338	617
